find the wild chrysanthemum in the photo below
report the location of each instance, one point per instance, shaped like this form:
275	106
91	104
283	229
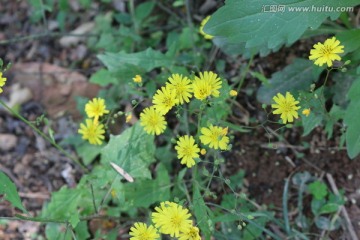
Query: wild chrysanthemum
207	84
140	231
201	29
96	108
306	111
171	218
182	87
92	131
152	121
187	150
327	52
215	137
192	233
137	79
128	118
164	99
286	106
2	82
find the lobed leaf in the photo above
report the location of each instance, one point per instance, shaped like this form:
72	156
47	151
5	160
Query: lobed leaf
8	188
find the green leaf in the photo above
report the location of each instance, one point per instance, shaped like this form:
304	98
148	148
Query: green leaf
81	230
74	220
349	39
146	192
329	208
297	76
143	10
141	61
255	24
318	190
351	119
133	151
103	78
57	231
201	212
88	152
316	205
325	223
8	188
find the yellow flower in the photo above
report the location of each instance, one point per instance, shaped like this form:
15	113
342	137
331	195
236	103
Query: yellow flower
286	106
306	111
140	231
164	100
192	233
128	118
203	151
92	131
215	137
182	87
152	121
95	108
233	93
187	150
137	79
2	81
171	218
201	29
207	84
327	52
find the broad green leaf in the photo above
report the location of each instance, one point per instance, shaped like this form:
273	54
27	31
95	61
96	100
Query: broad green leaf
351	119
64	204
143	193
316	205
146	60
318	190
297	76
325	223
8	188
270	23
201	212
329	208
133	150
88	152
310	122
81	230
57	231
103	78
349	39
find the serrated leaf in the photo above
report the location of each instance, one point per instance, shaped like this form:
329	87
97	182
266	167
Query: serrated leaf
133	151
146	192
297	76
261	24
8	188
351	119
140	61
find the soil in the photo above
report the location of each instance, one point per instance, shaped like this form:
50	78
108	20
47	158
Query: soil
38	169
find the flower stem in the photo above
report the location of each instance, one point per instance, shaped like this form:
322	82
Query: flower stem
47	138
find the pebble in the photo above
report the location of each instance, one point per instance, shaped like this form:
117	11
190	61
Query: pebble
7	141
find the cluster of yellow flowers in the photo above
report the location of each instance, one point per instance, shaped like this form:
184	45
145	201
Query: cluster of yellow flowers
179	90
321	53
93	130
168	218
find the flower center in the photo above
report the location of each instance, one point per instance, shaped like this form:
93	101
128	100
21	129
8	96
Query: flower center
327	50
175	221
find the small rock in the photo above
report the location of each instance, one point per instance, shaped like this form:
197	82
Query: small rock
7	141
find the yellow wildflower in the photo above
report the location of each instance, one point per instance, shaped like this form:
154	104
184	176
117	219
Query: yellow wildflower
152	121
203	151
140	231
128	118
233	93
306	111
96	108
215	137
171	218
164	100
92	131
286	106
192	233
327	52
137	79
187	150
182	87
207	84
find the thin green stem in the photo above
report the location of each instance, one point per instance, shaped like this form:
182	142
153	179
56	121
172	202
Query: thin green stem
47	138
243	76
